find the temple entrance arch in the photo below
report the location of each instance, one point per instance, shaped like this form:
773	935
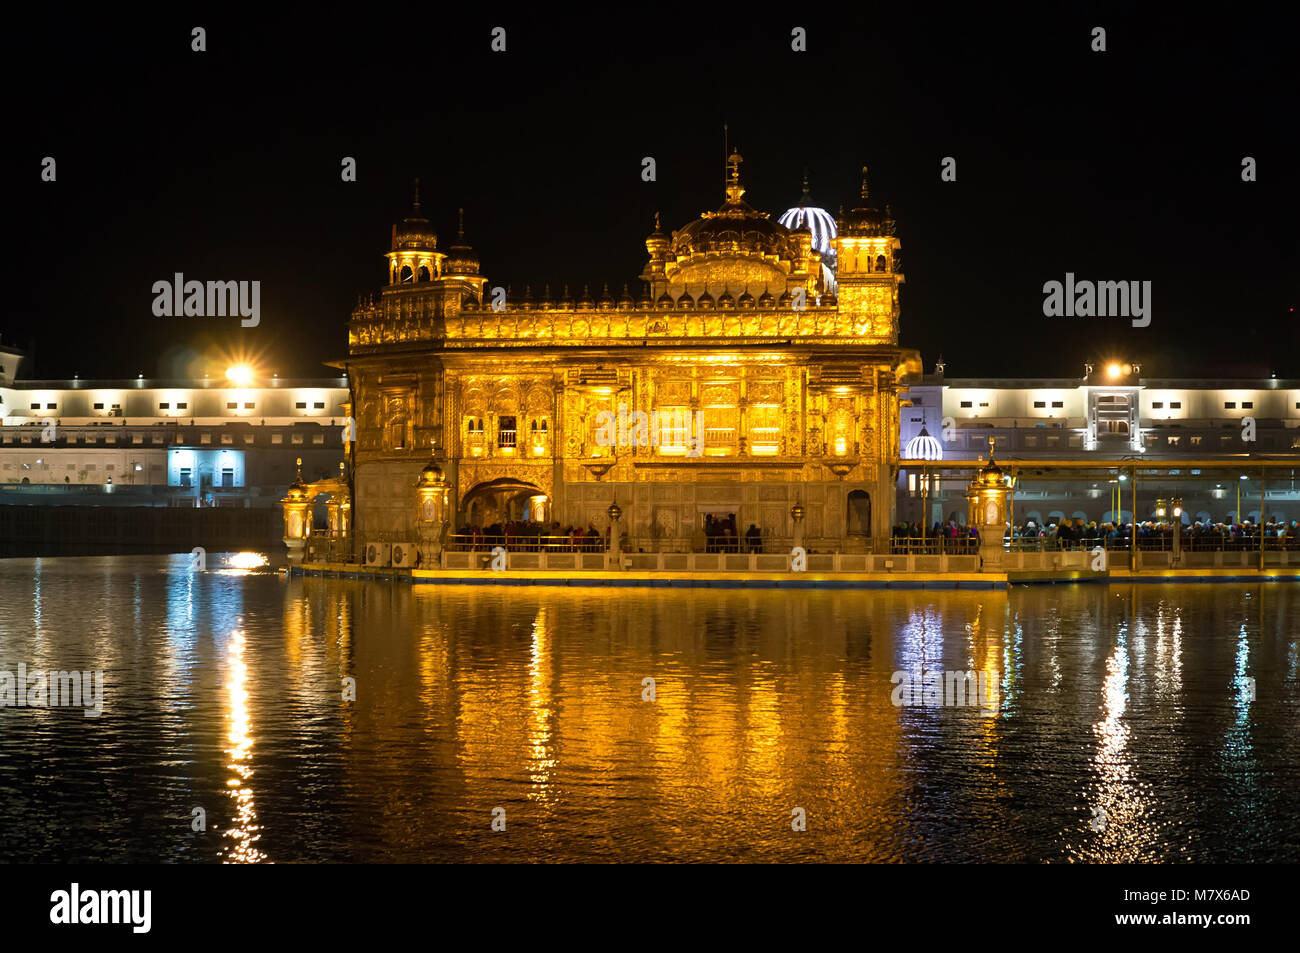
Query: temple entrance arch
502	501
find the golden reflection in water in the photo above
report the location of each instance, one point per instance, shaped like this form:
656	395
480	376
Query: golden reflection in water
1119	819
245	831
541	708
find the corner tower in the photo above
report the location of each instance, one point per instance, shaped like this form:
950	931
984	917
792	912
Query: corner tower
867	266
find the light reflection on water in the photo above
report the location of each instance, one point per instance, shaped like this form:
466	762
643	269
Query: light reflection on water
1138	723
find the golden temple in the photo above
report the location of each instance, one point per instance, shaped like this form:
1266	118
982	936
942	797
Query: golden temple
794	381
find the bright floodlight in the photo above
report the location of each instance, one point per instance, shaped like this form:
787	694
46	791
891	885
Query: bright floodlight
1113	370
240	374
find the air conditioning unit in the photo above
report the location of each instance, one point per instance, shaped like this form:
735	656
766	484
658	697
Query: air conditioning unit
379	554
403	555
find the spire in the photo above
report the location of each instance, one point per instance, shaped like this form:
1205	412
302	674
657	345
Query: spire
415	206
805	200
864	183
734	189
460	225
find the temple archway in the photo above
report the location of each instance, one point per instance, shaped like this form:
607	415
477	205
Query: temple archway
859	513
504	500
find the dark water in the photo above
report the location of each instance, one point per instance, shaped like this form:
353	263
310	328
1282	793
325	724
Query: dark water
1124	724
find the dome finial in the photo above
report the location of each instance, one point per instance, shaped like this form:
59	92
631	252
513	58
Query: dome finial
657	221
415	206
805	200
734	189
460	225
864	182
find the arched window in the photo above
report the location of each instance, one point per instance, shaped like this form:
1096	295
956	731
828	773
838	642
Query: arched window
424	273
859	514
406	273
880	263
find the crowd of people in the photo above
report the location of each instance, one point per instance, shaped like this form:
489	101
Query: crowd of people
949	537
720	536
532	536
1077	533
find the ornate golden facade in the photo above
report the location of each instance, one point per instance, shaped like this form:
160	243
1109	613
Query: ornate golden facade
798	387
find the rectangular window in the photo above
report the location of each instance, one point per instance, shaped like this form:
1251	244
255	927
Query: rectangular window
248	406
227	439
1076	440
182	405
1247	405
111	438
301	405
100	406
720	434
186	475
984	403
164	406
277	439
966	403
1174	441
319	405
1053	441
205	438
318	438
1040	403
137	438
157	438
1229	405
232	405
1031	440
764	430
1196	441
296	438
506	433
1058	403
1157	404
248	439
51	406
35	407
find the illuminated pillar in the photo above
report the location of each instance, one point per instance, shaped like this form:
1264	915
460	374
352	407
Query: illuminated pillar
431	515
614	559
987	495
297	518
796	514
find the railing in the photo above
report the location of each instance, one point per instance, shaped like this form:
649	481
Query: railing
934	545
521	543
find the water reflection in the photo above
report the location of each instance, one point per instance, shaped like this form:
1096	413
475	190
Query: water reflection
1121	724
243	832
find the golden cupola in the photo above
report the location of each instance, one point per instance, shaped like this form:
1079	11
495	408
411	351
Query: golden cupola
731	251
414	256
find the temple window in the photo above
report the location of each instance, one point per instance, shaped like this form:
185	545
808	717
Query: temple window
880	263
538	437
406	273
506	433
424	273
474	436
764	429
721	426
672	430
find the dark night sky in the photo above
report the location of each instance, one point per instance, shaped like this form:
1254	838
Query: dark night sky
225	165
